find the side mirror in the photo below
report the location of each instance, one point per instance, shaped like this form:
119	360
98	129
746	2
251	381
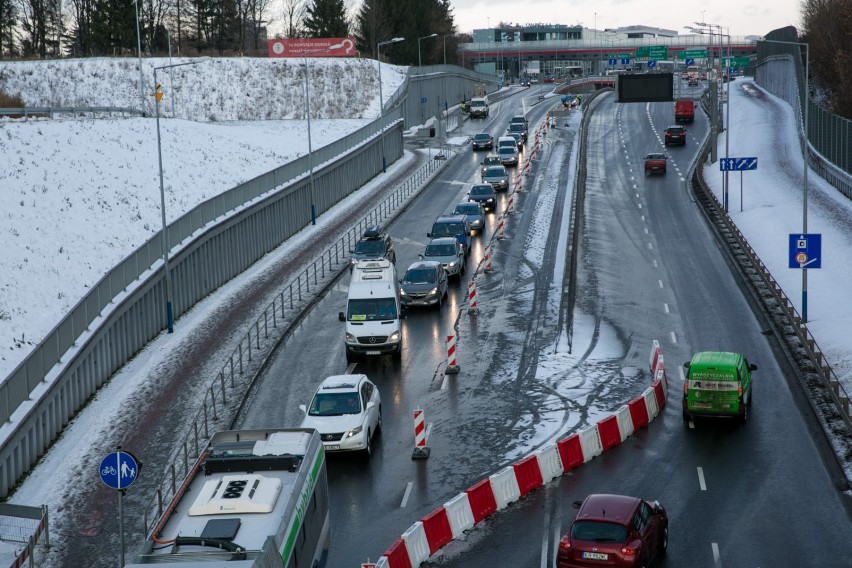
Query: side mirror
341	316
687	364
752	367
577	504
429	235
370	405
421	255
303	408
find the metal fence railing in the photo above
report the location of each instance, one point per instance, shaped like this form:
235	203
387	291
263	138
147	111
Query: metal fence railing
72	112
231	380
25	525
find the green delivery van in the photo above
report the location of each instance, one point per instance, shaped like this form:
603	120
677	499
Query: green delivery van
718	384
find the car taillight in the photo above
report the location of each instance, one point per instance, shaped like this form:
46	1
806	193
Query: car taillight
630	550
685	388
740	389
565	542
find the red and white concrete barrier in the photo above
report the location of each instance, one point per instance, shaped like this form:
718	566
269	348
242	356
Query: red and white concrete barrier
452	363
425	537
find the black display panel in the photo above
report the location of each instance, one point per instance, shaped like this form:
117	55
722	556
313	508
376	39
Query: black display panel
645	87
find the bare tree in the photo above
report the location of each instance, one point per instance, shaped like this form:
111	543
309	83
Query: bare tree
294	16
827	26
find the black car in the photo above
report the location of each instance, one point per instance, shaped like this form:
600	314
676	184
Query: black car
374	244
675	135
518	128
483	141
484	194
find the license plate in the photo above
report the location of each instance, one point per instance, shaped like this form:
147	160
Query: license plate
374	352
595	556
332	448
702	405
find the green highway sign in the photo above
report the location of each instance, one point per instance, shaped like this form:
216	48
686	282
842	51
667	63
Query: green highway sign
655	52
692	54
627	55
735	62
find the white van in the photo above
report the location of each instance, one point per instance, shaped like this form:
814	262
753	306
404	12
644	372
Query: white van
373	311
479	107
507	141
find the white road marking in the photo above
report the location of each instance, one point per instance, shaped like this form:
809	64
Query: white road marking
428	431
544	538
646	230
642	217
650	246
660	282
666	308
655	263
717	560
701	479
674	337
350	368
407	493
444	382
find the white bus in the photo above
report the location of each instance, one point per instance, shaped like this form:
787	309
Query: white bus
254	499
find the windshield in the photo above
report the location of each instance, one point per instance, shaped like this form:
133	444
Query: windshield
491	160
372	309
335	404
371	246
495	172
419	276
597	531
480	137
447	229
481	190
477	103
467	209
506	151
516	127
440	250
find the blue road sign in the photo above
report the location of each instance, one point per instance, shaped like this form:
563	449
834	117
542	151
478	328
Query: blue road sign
119	470
690	62
423	100
625	62
737	164
805	250
612	61
652	64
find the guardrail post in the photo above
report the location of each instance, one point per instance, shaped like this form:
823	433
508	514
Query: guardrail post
195	433
174	478
206	424
266	322
248	344
231	360
212	402
222	380
185	459
257	334
241	357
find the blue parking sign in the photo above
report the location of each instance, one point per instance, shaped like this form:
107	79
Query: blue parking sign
805	250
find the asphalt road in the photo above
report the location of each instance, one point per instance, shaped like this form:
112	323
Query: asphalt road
765	494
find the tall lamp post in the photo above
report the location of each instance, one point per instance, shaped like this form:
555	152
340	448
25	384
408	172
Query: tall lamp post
164	235
139	56
308	115
445	47
804	162
419	60
381	98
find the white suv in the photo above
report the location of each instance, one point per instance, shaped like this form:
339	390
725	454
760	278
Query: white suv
346	411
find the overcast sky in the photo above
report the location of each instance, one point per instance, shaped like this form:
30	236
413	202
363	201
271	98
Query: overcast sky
752	17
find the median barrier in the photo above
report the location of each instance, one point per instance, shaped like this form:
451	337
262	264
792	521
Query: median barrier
425	537
459	514
625	422
549	463
482	502
505	487
590	441
416	544
528	474
436	526
608	433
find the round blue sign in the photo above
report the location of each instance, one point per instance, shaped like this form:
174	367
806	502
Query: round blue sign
118	470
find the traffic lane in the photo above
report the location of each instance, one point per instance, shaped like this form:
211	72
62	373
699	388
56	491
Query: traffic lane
714	313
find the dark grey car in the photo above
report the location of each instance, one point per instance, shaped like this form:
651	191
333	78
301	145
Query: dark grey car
424	284
497	176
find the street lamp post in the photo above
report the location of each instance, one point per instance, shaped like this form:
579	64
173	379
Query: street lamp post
139	56
419	60
381	99
308	116
804	162
164	235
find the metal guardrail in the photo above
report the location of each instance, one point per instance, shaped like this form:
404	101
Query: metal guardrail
23	524
793	320
74	112
286	308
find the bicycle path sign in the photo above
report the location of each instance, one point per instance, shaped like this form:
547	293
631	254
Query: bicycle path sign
119	470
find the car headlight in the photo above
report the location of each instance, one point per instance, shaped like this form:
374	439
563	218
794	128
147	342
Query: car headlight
354	431
350	338
394	337
402	291
452	264
433	291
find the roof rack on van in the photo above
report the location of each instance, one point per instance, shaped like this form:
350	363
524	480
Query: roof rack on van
373	265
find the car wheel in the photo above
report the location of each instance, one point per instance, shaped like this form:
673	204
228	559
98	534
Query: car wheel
397	355
440	302
368	450
379	422
350	358
664	545
744	417
686	416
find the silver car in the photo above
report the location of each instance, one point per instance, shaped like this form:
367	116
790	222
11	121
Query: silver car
497	176
508	155
475	214
449	252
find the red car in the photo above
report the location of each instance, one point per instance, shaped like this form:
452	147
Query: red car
614	530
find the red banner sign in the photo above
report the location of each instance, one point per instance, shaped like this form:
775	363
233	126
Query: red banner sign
312	47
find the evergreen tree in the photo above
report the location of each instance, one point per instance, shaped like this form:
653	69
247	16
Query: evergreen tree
8	21
326	18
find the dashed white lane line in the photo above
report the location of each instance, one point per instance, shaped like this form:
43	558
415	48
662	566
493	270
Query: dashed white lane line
660	282
674	337
701	483
406	494
717	559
